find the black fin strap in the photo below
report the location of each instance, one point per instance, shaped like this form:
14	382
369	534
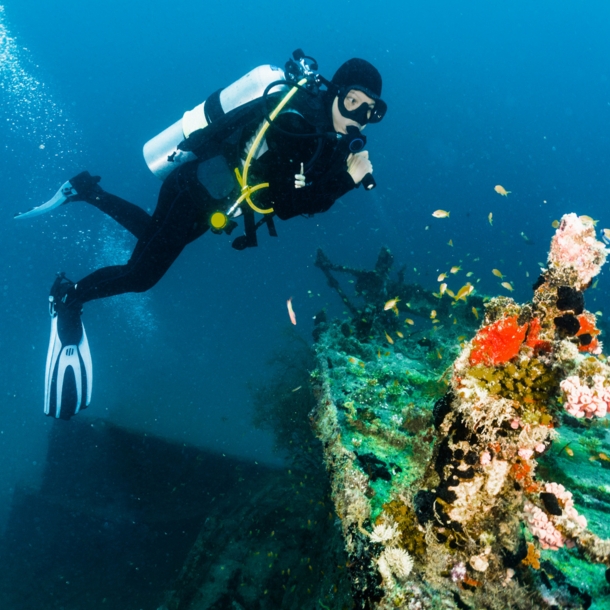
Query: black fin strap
268	218
250	228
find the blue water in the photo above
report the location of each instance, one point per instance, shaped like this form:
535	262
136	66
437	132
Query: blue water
479	94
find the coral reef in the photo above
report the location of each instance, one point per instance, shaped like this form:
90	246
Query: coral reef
461	514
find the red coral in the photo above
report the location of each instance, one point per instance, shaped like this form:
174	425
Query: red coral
532	337
587	327
498	343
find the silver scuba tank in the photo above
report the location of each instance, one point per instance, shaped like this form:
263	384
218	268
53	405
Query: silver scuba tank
161	153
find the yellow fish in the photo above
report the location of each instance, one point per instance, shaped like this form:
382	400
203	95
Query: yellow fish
433	314
501	190
606	233
569	452
461	337
440	214
409	321
497	273
400	334
507	286
438	353
389	339
588	219
443	288
441	277
455	269
555	224
464	291
604	457
450	243
475	313
391	304
450	293
491	218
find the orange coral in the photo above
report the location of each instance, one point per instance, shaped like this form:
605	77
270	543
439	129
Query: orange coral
533	557
498	342
532	337
587	325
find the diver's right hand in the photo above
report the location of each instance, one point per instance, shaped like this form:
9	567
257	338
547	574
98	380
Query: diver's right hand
358	166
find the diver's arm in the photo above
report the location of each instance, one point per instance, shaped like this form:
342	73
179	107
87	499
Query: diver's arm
285	156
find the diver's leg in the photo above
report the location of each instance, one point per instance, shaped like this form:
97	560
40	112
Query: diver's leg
176	222
128	215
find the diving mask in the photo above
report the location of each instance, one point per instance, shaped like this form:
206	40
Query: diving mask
360	113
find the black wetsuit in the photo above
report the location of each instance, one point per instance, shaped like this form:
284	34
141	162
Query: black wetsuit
184	203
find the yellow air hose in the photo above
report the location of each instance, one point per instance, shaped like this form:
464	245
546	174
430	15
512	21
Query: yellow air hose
246	190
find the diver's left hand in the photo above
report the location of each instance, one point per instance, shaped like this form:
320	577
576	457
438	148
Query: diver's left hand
299	179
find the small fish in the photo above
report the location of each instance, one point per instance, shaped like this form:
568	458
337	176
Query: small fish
297	388
501	190
443	288
291	313
588	220
603	456
555	224
450	243
464	291
470	274
353	360
441	277
378	353
526	239
569	452
433	314
475	312
389	339
391	304
438	353
400	334
461	337
455	269
491	219
606	233
454	320
440	214
595	283
497	273
507	285
450	293
409	321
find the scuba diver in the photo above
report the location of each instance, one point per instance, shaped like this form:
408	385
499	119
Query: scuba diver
274	143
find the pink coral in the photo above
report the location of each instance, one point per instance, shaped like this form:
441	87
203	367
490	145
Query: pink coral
567	503
582	400
541	527
575	245
485	458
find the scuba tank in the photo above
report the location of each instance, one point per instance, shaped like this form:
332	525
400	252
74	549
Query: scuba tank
162	154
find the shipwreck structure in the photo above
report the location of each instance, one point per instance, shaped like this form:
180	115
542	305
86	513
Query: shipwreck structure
467	463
